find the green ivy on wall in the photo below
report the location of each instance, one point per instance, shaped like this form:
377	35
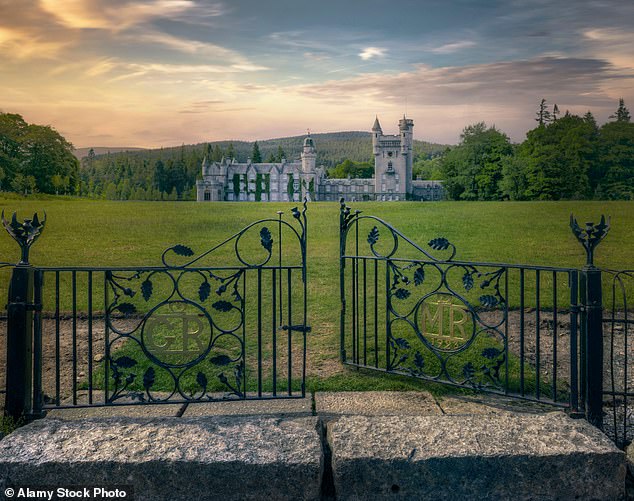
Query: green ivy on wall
236	186
258	187
289	187
311	188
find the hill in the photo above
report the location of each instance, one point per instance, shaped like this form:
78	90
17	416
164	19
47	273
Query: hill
102	150
332	148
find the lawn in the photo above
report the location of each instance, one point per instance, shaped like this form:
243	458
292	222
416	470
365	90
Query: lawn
108	234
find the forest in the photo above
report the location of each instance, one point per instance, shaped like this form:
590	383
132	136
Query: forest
565	156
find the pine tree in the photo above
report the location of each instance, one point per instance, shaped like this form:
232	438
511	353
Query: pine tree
231	153
622	113
256	156
280	154
216	154
555	112
543	115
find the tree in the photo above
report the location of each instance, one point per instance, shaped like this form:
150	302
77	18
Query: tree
614	174
280	154
543	115
256	156
348	168
555	112
558	158
231	153
473	169
622	113
57	182
216	154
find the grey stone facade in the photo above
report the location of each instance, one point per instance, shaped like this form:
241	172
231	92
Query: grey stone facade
292	181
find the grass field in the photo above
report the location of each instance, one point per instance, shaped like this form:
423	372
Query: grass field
100	233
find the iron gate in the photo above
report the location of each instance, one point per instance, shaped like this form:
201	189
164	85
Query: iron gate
229	323
516	330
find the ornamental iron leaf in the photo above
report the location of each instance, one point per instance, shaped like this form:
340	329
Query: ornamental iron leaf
126	308
265	238
203	291
419	276
222	306
220	360
201	379
222	289
491	353
402	293
488	301
146	289
439	243
373	236
125	362
148	378
182	250
419	361
467	281
468	371
402	343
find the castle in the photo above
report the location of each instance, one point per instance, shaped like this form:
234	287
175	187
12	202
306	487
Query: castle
299	179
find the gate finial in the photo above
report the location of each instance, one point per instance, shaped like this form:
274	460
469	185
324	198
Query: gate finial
590	236
24	233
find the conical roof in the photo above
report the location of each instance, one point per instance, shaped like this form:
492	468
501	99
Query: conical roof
377	125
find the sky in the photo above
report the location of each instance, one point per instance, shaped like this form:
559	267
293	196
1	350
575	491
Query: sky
150	73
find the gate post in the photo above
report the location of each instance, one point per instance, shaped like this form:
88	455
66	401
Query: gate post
20	308
591	299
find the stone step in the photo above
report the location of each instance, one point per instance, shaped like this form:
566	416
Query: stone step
505	456
228	458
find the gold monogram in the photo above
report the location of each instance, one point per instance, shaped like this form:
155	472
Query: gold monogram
446	312
175	332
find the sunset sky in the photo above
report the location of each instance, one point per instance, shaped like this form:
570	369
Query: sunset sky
166	72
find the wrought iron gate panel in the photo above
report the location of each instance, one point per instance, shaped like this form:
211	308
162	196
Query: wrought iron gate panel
501	328
618	391
227	324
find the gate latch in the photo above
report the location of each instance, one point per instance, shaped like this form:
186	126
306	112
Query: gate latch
297	328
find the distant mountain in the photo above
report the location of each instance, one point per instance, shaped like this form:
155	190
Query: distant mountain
102	150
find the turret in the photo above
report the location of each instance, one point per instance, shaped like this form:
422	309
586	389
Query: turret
376	134
406	128
309	155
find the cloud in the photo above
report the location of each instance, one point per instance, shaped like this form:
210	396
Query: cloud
372	52
495	82
450	48
113	14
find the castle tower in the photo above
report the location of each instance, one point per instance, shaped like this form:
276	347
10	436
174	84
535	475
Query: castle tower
309	155
393	161
309	162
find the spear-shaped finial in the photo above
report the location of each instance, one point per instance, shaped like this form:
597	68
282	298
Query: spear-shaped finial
24	233
590	236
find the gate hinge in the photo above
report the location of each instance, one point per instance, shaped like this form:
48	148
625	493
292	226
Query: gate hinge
297	328
26	306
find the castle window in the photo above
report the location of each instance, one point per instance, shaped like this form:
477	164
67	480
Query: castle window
207	196
389	153
390	168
